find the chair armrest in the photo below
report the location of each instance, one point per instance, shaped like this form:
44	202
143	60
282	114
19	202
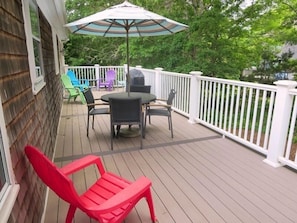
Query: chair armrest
128	194
71	87
103	103
159	105
75	88
79	164
158	102
97	99
160	99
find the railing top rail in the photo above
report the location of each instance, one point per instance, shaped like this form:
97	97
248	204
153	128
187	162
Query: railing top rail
239	83
293	91
79	67
175	74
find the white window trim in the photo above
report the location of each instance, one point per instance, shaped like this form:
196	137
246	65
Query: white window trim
37	82
11	190
58	52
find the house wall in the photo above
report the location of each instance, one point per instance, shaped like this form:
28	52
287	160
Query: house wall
30	119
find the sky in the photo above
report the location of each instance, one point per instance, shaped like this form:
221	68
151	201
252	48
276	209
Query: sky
247	3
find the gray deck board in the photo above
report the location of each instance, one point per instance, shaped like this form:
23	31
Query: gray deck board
198	176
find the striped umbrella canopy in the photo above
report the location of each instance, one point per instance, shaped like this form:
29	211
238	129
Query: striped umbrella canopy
125	20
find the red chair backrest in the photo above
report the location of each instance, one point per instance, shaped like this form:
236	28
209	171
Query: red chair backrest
52	176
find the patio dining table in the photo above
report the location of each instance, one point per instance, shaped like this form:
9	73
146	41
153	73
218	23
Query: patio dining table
145	99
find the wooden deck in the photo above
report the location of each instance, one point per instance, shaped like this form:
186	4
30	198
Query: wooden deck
198	176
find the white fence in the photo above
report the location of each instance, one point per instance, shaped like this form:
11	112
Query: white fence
261	117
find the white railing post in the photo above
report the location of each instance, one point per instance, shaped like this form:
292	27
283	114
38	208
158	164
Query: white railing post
66	67
194	96
125	69
97	75
158	82
280	122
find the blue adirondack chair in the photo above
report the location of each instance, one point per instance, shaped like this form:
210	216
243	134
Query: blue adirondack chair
81	84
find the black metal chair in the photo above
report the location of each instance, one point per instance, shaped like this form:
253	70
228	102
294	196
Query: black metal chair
125	111
92	110
140	88
160	109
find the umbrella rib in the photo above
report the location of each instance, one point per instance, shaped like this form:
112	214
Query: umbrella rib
107	29
162	26
85	25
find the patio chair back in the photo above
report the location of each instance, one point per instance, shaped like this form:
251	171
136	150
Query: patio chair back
83	84
110	75
90	99
51	175
140	88
92	109
171	97
72	91
109	80
162	110
125	111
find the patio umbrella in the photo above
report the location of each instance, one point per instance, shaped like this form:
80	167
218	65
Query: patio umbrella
126	20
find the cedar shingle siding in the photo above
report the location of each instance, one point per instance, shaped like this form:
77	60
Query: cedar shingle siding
30	119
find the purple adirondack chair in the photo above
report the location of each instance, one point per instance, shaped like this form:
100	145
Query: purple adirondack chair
109	80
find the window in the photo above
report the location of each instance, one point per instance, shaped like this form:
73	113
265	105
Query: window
32	29
8	188
3	171
36	39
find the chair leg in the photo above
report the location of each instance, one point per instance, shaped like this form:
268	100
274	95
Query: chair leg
93	122
88	126
112	133
118	130
70	214
149	200
141	136
171	127
143	126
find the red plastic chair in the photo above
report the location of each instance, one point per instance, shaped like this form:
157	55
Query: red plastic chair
108	82
109	199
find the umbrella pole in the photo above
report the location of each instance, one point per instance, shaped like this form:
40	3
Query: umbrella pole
128	62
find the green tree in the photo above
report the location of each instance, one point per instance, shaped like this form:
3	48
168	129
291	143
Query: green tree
87	49
222	40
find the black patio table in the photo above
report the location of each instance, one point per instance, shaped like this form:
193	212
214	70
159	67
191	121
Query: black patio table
145	98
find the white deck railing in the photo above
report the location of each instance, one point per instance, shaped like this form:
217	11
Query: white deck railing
261	117
96	73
